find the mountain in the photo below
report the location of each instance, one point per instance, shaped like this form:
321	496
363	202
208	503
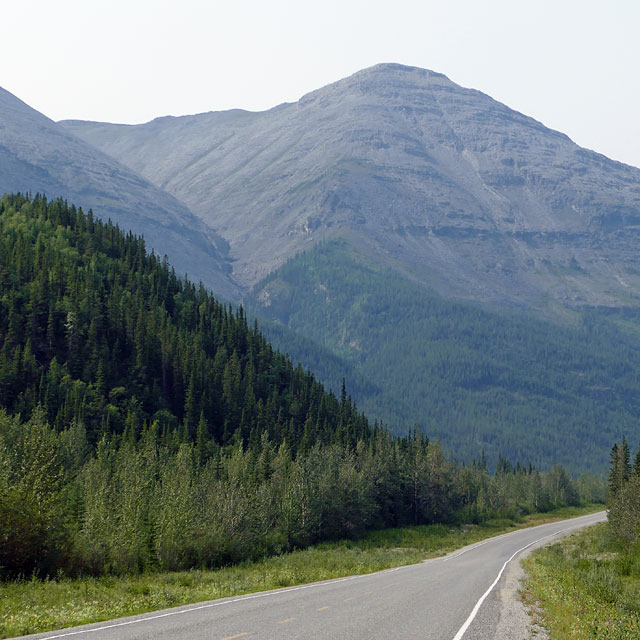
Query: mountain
425	234
442	183
39	156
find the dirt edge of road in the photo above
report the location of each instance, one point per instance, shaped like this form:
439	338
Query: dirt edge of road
517	620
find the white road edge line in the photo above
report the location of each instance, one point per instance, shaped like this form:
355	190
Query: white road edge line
455	555
475	610
215	604
275	593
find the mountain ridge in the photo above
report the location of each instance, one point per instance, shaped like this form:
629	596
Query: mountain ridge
458	191
39	156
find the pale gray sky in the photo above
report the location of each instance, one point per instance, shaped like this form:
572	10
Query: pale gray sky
573	64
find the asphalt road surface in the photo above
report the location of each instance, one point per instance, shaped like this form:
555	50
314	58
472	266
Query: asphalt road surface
446	598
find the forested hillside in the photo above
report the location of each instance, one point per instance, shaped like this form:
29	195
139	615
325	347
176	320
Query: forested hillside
144	425
480	379
94	329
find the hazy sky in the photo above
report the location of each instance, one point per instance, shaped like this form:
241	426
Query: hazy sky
573	64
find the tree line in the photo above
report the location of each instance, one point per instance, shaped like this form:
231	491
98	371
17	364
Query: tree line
129	505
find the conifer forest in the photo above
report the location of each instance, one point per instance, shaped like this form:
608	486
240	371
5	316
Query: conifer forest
144	425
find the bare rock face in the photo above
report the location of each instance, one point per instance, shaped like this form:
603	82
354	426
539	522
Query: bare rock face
39	156
443	183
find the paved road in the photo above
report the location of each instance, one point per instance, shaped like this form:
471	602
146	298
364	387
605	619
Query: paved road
436	599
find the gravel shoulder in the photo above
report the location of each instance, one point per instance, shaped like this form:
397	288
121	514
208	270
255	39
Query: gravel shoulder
517	621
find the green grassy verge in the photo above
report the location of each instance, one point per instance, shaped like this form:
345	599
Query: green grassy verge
33	606
586	586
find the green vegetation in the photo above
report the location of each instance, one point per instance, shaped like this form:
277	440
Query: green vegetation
93	329
145	427
507	383
589	585
131	506
33	606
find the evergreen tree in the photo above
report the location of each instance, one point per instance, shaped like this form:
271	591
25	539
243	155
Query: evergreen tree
620	467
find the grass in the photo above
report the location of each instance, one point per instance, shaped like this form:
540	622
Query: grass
34	606
586	586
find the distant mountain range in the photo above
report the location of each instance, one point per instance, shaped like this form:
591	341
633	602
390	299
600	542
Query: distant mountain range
467	268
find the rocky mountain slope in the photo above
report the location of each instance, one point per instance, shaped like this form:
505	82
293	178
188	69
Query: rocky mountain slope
442	183
38	155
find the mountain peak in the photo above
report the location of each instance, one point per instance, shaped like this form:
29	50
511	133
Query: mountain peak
473	198
385	80
397	68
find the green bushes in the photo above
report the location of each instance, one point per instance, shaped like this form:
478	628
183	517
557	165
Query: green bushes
587	586
624	494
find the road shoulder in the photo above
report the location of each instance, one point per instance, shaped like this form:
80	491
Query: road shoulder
517	621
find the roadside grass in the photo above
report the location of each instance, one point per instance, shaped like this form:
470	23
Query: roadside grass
586	586
34	606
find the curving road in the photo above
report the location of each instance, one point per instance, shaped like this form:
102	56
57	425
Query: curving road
447	598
